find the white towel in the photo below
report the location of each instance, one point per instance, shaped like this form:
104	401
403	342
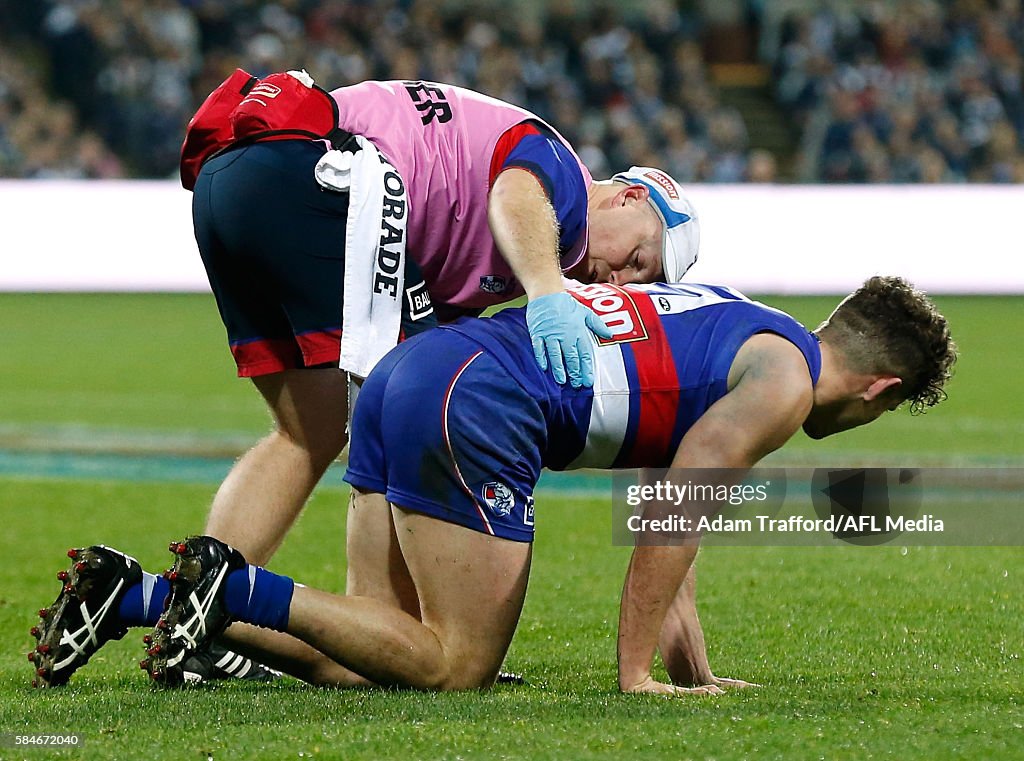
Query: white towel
374	252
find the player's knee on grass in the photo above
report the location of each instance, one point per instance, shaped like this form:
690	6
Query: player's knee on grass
468	674
470	601
458	669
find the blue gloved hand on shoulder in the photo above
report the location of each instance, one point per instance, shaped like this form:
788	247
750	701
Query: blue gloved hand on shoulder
558	326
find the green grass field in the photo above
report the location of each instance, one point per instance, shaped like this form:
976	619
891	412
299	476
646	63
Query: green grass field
862	652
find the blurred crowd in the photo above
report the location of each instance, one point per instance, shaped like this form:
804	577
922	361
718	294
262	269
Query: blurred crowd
79	78
906	90
878	91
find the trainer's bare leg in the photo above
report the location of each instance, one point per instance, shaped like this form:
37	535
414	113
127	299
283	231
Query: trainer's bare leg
267	488
470	587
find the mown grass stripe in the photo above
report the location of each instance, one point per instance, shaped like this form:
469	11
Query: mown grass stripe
202	470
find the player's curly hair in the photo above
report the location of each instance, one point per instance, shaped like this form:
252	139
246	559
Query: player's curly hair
888	327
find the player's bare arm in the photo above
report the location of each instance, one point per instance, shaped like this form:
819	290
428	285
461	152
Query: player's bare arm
681	642
770	396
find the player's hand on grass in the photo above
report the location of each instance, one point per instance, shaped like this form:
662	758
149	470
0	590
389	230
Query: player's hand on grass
650	686
732	684
558	326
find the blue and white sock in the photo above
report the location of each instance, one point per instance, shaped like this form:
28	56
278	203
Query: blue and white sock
143	603
257	596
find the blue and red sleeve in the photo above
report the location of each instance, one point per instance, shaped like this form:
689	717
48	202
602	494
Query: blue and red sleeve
535	148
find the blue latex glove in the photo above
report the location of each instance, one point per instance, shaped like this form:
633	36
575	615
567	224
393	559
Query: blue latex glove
558	326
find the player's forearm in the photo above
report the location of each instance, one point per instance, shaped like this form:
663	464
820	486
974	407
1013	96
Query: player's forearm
682	638
525	230
652	580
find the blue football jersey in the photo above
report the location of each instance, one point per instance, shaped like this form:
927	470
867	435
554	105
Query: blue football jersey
666	364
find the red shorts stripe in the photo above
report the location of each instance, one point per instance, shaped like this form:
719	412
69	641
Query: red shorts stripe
320	347
265	356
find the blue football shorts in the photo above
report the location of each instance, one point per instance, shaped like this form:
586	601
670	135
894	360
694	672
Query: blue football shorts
441	428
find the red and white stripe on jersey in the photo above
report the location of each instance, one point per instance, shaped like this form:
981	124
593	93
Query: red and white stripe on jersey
639	347
609	415
633	321
659	391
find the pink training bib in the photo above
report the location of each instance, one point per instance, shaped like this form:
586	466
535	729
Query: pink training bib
441	138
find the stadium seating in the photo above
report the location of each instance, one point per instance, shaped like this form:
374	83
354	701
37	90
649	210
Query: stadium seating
909	91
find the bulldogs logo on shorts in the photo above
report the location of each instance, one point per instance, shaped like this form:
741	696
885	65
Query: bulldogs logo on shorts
498	498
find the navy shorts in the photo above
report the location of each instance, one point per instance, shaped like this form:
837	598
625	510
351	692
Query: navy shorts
441	428
273	244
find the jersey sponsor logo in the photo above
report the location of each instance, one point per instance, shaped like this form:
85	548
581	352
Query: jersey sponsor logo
667	185
419	301
430	101
493	284
498	498
616	307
